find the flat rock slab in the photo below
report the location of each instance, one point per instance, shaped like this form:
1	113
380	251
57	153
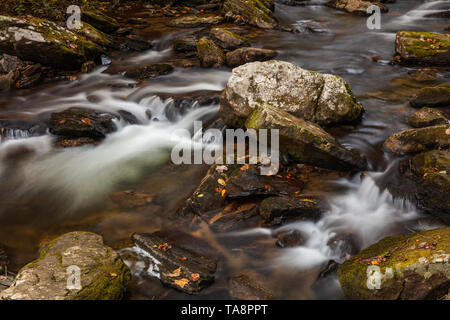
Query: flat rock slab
179	268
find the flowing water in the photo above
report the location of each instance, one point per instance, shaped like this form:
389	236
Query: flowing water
46	191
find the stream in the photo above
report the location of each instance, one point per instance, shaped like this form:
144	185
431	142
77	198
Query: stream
46	191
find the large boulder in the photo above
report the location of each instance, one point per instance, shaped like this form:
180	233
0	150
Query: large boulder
245	55
355	6
100	21
104	276
305	141
423	48
426	117
210	54
434	97
321	98
410	141
45	42
408	267
258	13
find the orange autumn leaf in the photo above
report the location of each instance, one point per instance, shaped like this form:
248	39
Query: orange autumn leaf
182	282
195	277
86	121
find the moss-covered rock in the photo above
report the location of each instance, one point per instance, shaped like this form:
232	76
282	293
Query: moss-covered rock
423	48
434	97
99	20
258	13
45	42
195	21
245	55
305	141
104	276
355	6
412	141
426	117
228	40
210	54
409	267
321	98
91	33
185	44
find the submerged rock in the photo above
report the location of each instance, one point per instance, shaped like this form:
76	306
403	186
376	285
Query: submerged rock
186	44
227	39
242	56
423	48
182	269
80	122
306	142
433	97
100	21
150	71
426	117
250	285
356	6
258	13
412	141
104	276
408	267
45	42
210	54
321	98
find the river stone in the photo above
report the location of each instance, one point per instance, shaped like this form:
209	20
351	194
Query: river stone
195	21
258	13
210	54
411	267
104	276
305	141
426	117
9	63
185	44
45	42
321	98
177	267
91	33
245	55
410	141
355	6
7	80
430	176
227	39
81	122
433	97
423	48
250	285
100	21
151	71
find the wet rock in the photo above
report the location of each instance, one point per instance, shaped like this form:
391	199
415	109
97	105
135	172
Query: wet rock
290	238
355	6
228	40
100	21
10	63
3	261
130	199
422	75
423	48
254	12
411	267
427	117
7	80
103	274
250	285
277	210
182	269
137	43
210	54
186	44
195	21
412	141
305	141
128	117
245	55
45	42
88	67
13	129
138	21
150	71
433	97
344	245
429	173
80	122
29	76
321	98
94	35
75	143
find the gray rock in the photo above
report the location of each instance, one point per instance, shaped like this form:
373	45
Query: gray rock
427	117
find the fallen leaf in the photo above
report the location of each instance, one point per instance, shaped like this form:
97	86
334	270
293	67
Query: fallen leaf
224	192
195	277
86	121
182	282
175	273
221	182
200	195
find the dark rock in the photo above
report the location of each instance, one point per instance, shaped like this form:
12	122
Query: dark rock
9	63
128	117
433	97
100	21
75	143
136	43
150	71
424	74
195	21
245	55
138	21
227	39
80	122
210	54
250	285
130	199
427	117
88	67
12	129
412	141
124	31
7	80
186	44
182	269
331	267
4	261
290	238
